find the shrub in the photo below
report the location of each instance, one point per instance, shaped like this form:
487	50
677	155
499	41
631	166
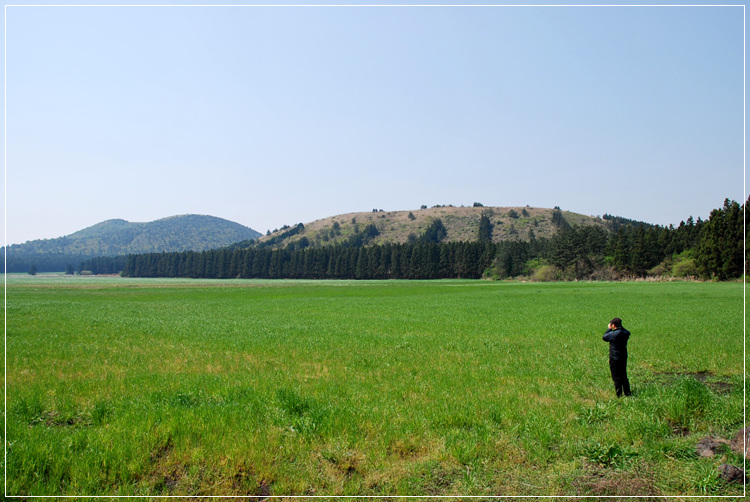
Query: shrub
662	269
605	273
685	268
546	273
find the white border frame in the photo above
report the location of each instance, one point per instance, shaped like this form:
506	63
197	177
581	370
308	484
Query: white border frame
5	236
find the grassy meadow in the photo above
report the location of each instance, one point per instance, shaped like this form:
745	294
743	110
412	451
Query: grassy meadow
194	387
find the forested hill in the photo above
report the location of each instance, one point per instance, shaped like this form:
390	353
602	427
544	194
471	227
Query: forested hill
119	237
576	250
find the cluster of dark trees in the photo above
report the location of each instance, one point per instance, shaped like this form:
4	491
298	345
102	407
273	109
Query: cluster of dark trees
101	265
720	251
42	262
421	260
711	249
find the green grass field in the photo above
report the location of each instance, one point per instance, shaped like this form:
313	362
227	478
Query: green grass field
189	387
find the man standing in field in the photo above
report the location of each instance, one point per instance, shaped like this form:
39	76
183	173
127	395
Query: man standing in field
617	336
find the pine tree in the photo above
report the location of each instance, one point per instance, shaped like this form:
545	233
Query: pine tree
436	232
485	229
719	253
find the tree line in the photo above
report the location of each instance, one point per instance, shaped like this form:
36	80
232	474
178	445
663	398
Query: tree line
422	260
711	249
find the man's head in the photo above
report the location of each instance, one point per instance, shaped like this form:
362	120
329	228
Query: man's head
616	322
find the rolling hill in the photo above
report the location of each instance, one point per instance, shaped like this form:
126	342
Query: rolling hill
461	224
119	237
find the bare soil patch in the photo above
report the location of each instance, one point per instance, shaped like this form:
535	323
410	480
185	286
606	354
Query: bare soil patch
604	482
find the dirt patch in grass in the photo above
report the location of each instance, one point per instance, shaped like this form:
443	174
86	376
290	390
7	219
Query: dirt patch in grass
706	377
167	477
165	474
244	482
701	376
434	478
603	482
338	466
407	447
162	450
56	419
679	429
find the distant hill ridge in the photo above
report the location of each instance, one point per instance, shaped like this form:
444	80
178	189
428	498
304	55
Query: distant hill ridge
118	237
188	232
461	224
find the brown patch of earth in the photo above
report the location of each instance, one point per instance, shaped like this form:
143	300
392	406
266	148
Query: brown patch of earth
740	443
603	482
705	377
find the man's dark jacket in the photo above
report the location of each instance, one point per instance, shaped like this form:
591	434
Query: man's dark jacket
618	343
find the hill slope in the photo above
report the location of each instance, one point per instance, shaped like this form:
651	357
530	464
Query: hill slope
461	224
118	237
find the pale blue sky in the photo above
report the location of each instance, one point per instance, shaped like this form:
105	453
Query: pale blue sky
276	115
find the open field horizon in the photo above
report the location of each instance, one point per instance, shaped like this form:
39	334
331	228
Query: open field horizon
183	387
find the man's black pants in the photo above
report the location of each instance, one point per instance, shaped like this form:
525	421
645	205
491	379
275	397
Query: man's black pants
618	368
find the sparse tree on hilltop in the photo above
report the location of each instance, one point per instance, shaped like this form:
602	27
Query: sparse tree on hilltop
485	229
436	232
